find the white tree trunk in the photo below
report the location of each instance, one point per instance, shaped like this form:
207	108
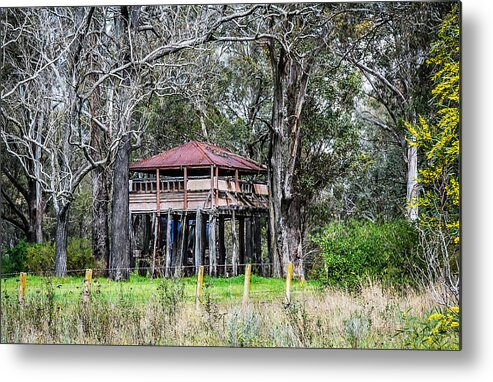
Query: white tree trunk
412	183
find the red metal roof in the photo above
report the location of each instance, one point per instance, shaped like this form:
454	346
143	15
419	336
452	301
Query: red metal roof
197	154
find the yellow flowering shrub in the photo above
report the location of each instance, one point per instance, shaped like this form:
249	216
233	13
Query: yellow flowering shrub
438	140
438	330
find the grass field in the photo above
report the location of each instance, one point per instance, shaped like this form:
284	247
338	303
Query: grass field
141	289
163	312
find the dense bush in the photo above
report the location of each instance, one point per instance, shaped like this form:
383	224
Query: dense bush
40	258
353	251
79	254
14	259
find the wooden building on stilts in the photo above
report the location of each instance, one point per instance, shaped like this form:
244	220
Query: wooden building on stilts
198	204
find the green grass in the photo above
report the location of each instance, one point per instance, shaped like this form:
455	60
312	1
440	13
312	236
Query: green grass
160	311
141	289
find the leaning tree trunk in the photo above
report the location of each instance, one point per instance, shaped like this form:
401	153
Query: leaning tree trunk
61	235
290	84
119	255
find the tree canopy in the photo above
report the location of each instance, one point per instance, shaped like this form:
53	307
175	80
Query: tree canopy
354	109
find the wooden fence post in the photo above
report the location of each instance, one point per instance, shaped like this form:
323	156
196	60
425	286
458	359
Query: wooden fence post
246	286
22	287
87	282
289	278
198	291
87	286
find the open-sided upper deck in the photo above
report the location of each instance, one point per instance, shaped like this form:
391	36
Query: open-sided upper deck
196	175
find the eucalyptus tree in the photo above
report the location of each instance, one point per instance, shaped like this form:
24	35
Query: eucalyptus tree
50	135
23	114
392	60
297	40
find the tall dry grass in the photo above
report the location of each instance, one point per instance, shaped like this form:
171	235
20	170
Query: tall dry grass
329	318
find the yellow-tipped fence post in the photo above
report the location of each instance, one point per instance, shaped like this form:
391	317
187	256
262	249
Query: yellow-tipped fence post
200	281
87	283
22	286
289	280
246	285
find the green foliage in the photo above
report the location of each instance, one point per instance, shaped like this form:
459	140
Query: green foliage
79	254
170	294
353	250
13	260
171	121
330	141
40	258
438	331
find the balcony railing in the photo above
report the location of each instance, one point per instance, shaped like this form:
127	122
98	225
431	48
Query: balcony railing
196	184
149	186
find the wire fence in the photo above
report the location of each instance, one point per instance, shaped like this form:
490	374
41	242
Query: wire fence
224	287
221	268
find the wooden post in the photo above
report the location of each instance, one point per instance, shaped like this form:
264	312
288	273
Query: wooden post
289	278
184	245
87	280
237	181
185	186
153	265
213	197
276	261
234	257
198	290
182	235
248	240
87	285
256	243
242	241
269	249
135	223
212	246
157	266
174	249
203	238
22	286
157	240
217	186
198	240
146	244
158	191
169	244
246	285
221	247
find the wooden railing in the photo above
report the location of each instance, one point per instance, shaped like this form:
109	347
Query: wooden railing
149	186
